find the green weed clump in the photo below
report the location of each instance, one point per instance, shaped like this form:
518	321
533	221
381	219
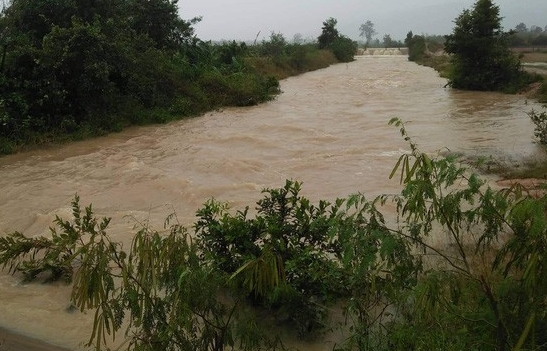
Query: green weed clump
540	120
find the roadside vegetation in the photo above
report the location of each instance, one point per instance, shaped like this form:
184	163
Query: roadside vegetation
72	70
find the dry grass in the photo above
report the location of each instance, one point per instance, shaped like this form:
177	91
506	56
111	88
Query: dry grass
285	67
533	57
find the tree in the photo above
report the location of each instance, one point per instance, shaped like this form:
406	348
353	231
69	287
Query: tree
68	64
480	55
521	28
416	47
329	33
159	20
298	39
536	29
341	46
540	40
388	42
367	30
408	38
275	47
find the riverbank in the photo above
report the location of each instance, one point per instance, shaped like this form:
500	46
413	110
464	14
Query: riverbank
11	341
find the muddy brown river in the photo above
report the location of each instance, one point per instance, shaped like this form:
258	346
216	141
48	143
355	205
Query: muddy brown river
328	129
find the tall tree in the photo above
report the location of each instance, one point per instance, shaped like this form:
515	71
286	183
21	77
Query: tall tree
408	38
481	58
367	31
329	33
388	42
159	20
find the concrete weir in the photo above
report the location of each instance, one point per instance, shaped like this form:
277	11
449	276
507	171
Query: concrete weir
382	51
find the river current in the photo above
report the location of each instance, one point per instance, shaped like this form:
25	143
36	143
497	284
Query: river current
328	129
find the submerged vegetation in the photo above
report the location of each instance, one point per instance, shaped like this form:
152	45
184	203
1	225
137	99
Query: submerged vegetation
456	267
71	70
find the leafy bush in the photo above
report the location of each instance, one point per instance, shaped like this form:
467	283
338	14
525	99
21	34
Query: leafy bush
285	257
341	46
495	250
399	290
540	120
344	49
170	299
416	47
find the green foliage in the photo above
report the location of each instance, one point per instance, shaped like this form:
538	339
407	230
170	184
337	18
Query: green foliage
275	47
424	51
296	59
285	255
344	49
68	65
367	30
495	249
481	58
296	258
80	69
341	46
158	291
416	47
459	267
540	120
54	256
159	20
329	33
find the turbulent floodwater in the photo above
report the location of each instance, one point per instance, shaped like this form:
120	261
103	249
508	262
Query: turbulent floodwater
328	129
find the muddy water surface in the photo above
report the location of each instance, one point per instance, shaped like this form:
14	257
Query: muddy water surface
328	129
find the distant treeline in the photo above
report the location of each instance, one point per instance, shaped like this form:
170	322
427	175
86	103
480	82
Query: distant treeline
75	69
523	36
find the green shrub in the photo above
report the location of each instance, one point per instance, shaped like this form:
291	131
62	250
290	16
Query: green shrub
282	256
540	130
416	48
479	290
344	49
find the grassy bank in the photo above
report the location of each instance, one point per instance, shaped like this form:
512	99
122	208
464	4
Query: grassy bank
234	75
429	53
531	61
70	71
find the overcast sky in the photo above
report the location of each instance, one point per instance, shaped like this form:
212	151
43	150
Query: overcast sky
244	19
